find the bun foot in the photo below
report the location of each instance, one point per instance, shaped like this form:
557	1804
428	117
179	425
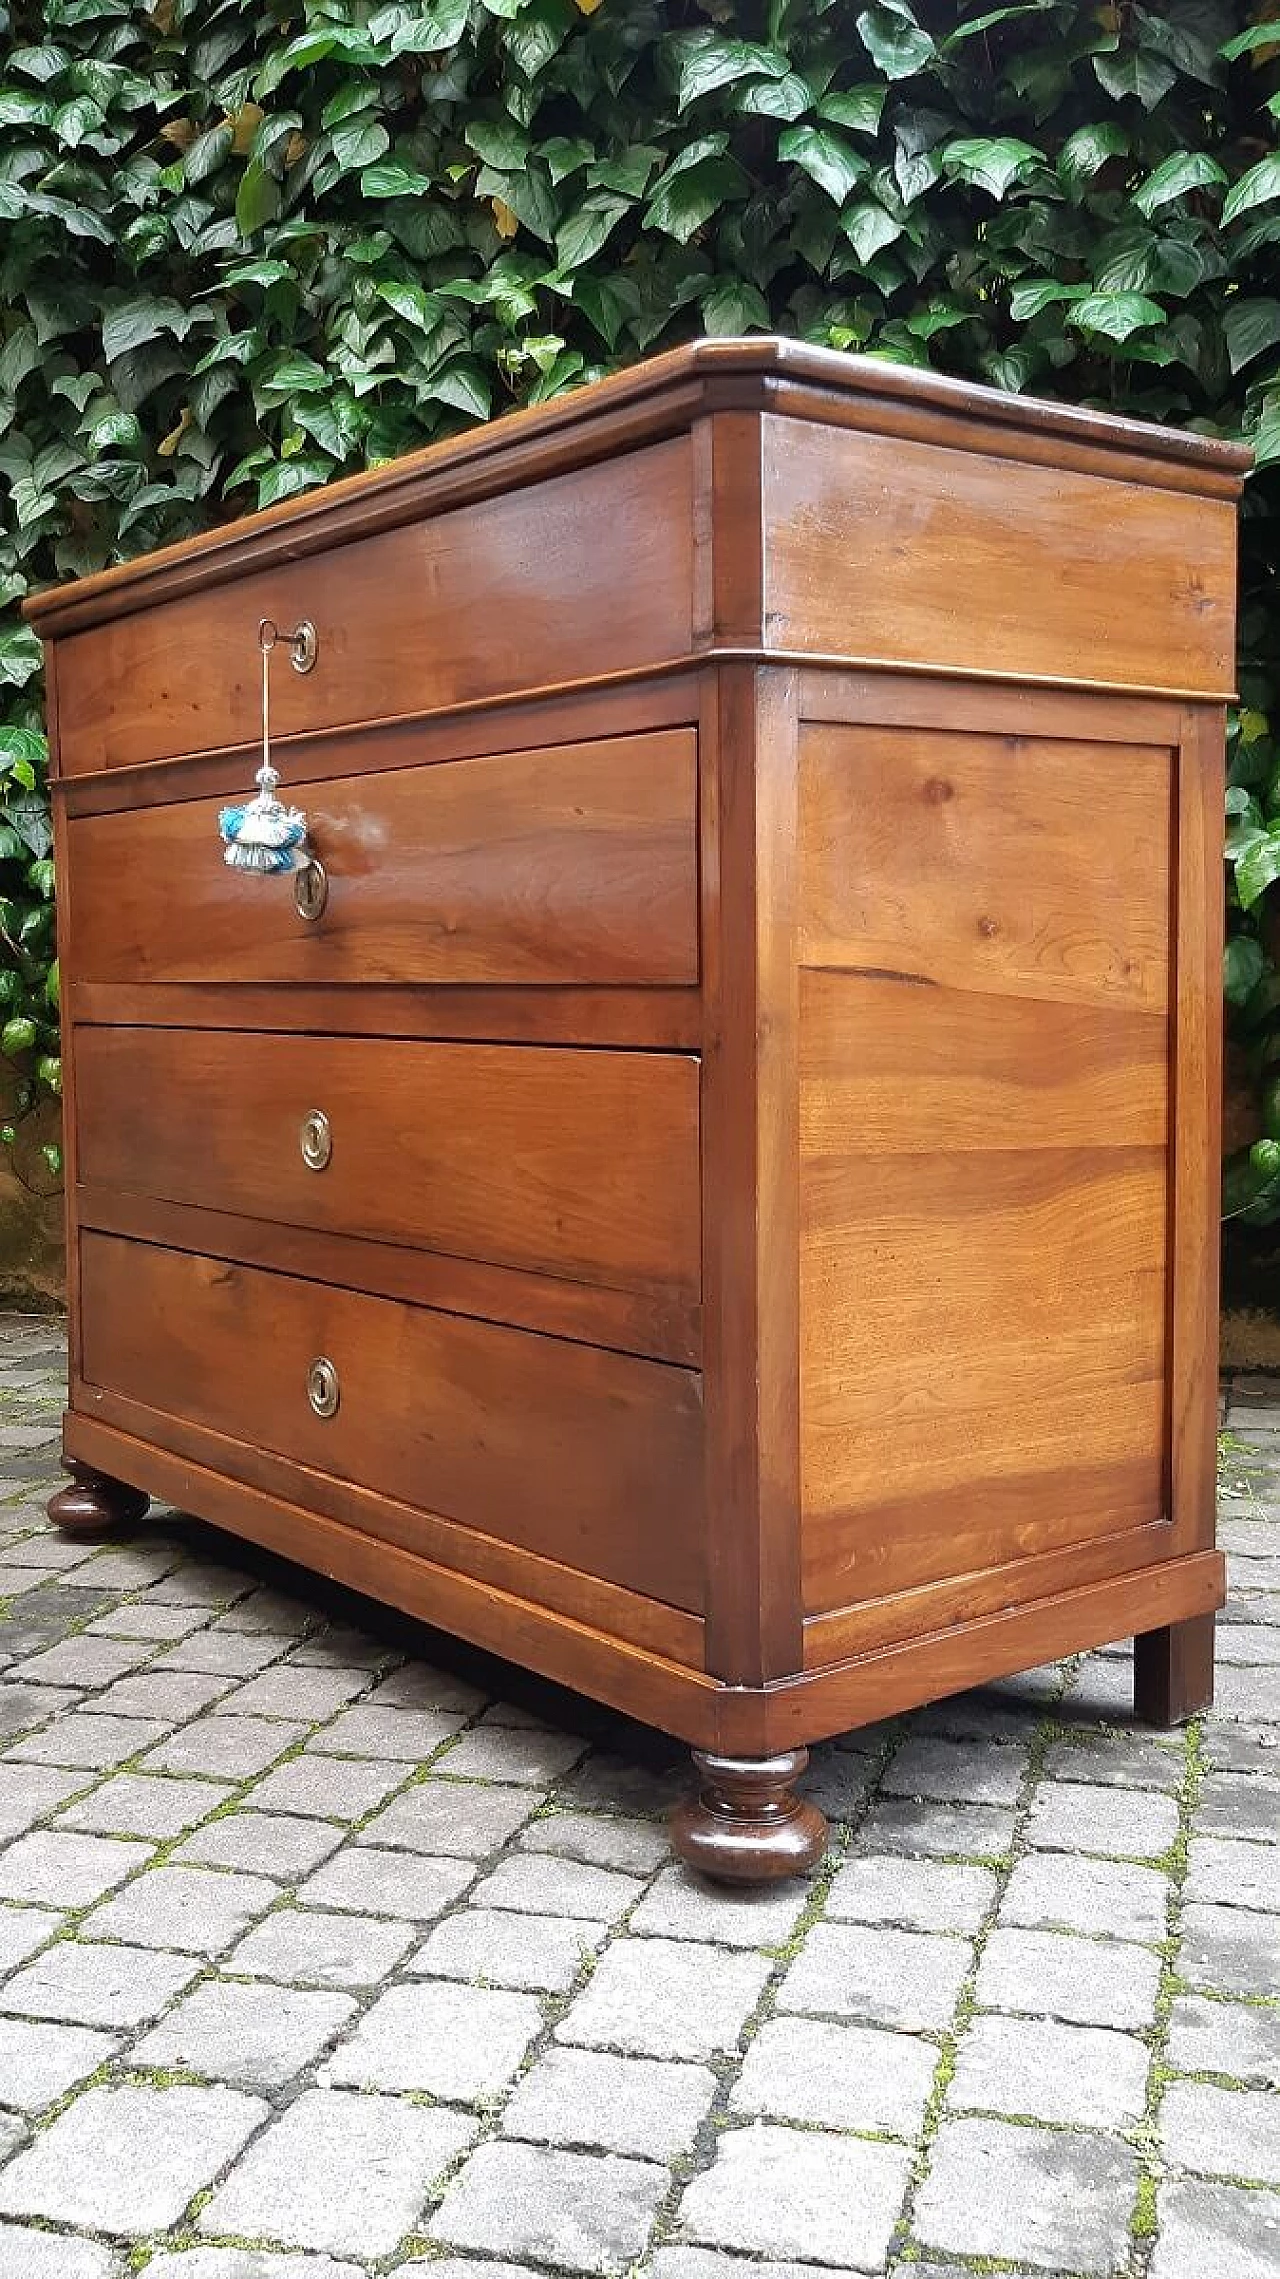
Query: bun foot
92	1503
746	1824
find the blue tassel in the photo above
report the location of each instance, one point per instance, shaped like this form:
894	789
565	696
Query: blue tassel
265	835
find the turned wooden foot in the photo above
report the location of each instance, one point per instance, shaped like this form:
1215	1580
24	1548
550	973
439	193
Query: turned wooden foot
1173	1671
746	1824
92	1503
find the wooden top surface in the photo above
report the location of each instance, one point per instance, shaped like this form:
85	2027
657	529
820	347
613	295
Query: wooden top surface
657	398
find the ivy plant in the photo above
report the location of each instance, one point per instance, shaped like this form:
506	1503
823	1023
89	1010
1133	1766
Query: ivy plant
248	245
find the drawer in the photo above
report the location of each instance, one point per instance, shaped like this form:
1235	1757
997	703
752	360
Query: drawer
587	1457
575	1163
574	863
507	594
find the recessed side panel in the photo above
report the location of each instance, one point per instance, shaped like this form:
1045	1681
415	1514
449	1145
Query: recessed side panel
984	1132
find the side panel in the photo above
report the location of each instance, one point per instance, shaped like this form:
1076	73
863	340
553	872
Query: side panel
986	938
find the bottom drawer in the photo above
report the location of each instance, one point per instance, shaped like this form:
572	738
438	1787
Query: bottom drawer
589	1457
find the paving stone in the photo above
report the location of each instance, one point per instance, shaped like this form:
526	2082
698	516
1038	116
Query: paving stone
405	1736
1085	2075
340	2172
300	1945
838	1782
1222	2132
1239	2039
1100	1691
83	1661
418	1686
198	1911
90	1985
880	1976
579	2211
711	2263
406	1885
634	1846
30	1792
459	1817
82	1738
661	1998
65	1870
340	1645
533	1885
235	1747
298	1693
1080	1893
283	1848
605	1782
1215	2229
1240	1805
324	1788
1090	1982
258	2037
921	1894
247	2263
203	1582
951	1772
24	1706
647	2106
525	1756
16	1581
224	1653
272	1611
144	1618
1228	1950
1233	1875
1116	1760
1251	1695
22	1930
1048	2196
1072	1816
172	1695
541	1953
684	1906
1251	1645
456	2042
786	2193
939	1831
135	1804
131	1566
46	1548
836	2076
28	2254
127	2161
39	2063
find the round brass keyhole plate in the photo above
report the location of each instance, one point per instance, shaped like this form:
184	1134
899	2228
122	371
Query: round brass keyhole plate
311	889
315	1139
323	1389
304	646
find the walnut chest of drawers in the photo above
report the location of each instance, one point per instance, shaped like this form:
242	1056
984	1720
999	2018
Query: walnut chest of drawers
719	1202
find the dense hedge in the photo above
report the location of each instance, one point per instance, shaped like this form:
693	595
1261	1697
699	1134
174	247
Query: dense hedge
244	247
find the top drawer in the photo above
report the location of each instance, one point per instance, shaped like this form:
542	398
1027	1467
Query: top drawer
575	864
504	595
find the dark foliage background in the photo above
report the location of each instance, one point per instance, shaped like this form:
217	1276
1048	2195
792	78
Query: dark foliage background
245	248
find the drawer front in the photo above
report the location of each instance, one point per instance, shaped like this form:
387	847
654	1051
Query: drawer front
588	1457
575	863
580	1164
507	594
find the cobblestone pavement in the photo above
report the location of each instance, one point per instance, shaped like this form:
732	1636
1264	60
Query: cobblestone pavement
329	1948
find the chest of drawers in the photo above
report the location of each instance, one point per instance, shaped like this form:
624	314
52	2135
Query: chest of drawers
707	1187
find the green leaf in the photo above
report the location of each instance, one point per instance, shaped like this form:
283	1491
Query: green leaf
1085	152
422	310
1135	72
258	199
828	161
580	238
394	181
499	142
1257	35
359	141
1031	294
1185	170
1115	315
894	40
695	184
19	745
992	164
464	386
1256	188
869	229
17	1036
703	61
1242	964
131	323
1250	327
1258	868
734	306
857	108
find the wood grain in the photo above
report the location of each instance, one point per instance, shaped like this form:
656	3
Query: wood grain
525	1438
563	866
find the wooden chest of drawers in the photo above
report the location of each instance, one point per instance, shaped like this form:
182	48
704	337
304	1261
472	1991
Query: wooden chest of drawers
720	1203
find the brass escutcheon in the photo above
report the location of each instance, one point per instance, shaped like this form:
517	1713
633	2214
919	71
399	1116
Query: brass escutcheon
316	1139
323	1390
311	889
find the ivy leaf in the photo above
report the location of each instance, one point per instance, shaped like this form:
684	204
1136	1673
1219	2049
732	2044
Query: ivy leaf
1242	964
17	1036
1258	868
19	745
825	159
894	40
580	238
1184	170
420	309
464	386
393	181
132	323
499	142
1115	315
869	229
1257	35
1249	327
735	306
1032	294
1256	188
1086	151
704	61
858	108
697	181
257	200
359	141
993	165
1135	72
